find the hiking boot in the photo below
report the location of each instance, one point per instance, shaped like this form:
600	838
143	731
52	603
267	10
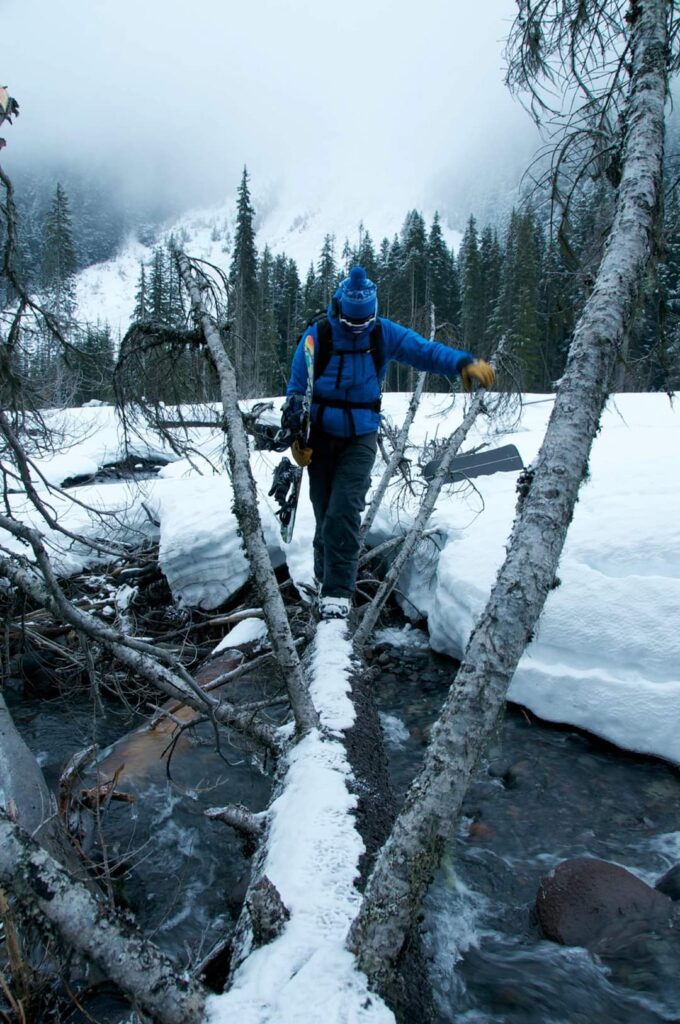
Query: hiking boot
334	607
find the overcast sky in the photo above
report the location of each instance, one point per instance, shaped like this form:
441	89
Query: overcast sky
382	98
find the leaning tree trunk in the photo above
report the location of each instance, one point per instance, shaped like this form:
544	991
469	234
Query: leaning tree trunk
399	446
430	813
245	507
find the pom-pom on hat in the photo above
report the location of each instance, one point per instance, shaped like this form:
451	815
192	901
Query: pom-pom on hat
358	296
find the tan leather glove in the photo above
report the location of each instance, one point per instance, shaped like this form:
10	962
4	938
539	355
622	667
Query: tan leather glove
303	456
478	372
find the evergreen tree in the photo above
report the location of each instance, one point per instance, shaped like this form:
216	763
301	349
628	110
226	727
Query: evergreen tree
267	342
244	290
382	277
412	270
311	294
173	311
365	254
517	308
556	314
441	278
59	262
92	369
348	258
157	290
141	310
491	264
327	277
472	321
288	313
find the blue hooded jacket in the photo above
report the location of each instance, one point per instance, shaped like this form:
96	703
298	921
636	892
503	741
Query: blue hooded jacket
351	376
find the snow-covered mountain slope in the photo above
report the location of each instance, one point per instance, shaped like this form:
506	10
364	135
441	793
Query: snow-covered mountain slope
106	291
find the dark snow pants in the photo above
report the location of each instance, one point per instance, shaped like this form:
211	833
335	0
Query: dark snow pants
339	477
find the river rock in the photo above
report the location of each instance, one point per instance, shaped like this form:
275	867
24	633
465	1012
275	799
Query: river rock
584	901
669	884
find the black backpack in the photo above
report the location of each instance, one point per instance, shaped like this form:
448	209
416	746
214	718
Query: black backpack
324	344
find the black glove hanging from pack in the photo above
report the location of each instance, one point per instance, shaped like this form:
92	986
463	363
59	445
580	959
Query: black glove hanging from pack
294	415
283	489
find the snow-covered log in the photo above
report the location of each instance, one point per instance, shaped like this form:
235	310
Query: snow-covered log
550	490
47	892
331	810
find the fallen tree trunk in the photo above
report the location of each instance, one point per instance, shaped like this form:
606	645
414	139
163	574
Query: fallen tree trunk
547	499
330	811
47	892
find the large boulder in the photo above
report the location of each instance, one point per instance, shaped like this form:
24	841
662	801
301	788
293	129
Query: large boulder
586	902
669	884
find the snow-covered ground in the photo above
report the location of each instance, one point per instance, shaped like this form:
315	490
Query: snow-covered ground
606	656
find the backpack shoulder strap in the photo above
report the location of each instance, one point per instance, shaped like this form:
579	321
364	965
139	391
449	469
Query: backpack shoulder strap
377	346
324	346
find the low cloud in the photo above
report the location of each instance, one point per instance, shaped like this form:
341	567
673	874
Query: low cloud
351	104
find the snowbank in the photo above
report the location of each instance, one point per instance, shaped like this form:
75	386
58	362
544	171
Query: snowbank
606	656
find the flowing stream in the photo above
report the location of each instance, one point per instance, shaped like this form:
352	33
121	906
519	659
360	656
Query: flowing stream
542	795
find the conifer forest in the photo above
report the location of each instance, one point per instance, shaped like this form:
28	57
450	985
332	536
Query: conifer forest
525	277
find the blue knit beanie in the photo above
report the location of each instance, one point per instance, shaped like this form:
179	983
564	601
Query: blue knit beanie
358	296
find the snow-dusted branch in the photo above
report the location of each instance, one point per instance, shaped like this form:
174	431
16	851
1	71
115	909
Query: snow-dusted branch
246	505
432	806
46	891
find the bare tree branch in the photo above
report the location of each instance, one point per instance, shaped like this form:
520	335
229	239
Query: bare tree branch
400	445
240	818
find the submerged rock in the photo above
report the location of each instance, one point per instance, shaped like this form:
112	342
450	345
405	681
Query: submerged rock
586	902
669	884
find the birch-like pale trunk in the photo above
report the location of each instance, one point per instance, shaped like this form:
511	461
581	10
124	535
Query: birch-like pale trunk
432	806
396	456
44	889
414	535
246	511
400	446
